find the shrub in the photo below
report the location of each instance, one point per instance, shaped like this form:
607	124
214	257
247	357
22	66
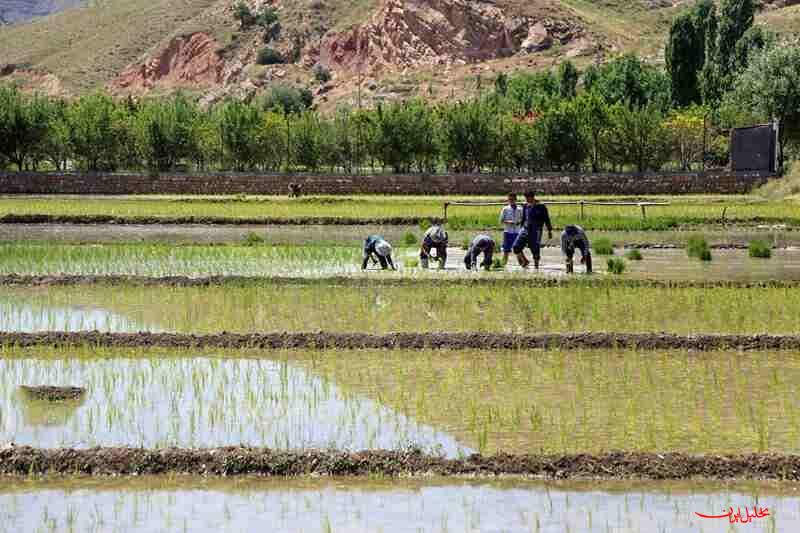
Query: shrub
603	246
269	56
321	74
253	239
615	265
697	247
760	249
634	255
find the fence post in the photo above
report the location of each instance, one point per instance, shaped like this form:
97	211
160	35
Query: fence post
581	204
644	212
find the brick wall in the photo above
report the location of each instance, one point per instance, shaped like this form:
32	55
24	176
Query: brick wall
716	182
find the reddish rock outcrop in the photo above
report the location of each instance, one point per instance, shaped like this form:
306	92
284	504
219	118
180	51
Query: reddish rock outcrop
190	60
412	33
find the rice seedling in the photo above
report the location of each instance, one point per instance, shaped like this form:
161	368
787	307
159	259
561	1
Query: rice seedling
253	239
466	243
412	262
759	249
314	306
498	264
602	246
697	247
409	239
615	265
634	254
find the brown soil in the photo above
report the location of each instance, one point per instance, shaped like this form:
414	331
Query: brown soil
24	460
16	280
53	394
409	341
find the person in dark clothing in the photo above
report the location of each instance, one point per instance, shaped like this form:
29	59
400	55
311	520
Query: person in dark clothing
535	217
379	251
482	244
434	239
574	237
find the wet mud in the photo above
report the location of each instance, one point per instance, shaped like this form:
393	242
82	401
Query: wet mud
52	394
237	461
409	341
16	280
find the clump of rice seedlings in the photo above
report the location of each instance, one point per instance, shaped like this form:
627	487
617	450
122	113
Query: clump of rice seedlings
634	255
409	239
759	249
497	264
412	263
697	247
465	244
603	246
616	265
253	239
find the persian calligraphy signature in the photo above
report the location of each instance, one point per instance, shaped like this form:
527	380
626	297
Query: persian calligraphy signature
739	517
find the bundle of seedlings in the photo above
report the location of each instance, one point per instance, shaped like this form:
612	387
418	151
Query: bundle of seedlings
697	247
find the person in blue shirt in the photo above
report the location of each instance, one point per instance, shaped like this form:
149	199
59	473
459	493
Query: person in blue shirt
574	238
379	251
535	217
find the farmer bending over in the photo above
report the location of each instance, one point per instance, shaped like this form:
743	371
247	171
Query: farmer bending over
482	244
534	218
379	251
574	237
435	239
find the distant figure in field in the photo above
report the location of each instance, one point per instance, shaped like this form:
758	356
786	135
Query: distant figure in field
295	190
482	244
511	219
534	219
435	238
377	250
574	237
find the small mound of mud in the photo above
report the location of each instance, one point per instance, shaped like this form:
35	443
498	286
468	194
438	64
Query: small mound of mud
53	394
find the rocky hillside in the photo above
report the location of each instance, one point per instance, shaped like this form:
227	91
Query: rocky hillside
374	49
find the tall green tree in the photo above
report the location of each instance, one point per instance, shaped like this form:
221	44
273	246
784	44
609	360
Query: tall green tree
638	137
685	57
627	79
164	131
568	79
595	123
564	145
238	125
469	135
99	132
23	127
735	19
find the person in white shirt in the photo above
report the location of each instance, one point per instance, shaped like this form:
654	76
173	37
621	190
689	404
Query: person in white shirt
511	219
435	238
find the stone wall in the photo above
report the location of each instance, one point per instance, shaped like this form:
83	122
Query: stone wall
715	182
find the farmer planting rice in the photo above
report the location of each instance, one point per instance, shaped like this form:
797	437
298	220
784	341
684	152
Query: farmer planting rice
534	218
511	219
482	244
377	250
435	239
575	237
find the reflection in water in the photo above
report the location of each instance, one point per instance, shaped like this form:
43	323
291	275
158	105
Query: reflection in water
20	317
206	402
352	505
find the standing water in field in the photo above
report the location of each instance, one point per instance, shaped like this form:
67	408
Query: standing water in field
22	317
203	402
436	505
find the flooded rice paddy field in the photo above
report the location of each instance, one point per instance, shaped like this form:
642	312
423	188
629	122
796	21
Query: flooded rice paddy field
432	505
445	402
324	261
717	236
310	307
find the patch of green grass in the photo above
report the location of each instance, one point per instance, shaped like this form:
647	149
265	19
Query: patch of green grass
615	265
634	254
253	239
759	249
603	246
697	247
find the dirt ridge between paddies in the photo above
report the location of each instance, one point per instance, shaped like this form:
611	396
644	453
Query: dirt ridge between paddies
65	280
235	461
407	341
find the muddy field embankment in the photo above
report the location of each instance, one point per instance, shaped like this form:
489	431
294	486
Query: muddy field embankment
547	183
408	341
237	461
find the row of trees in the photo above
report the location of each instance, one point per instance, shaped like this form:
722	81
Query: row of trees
623	115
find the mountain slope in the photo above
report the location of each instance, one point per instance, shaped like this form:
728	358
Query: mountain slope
392	47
